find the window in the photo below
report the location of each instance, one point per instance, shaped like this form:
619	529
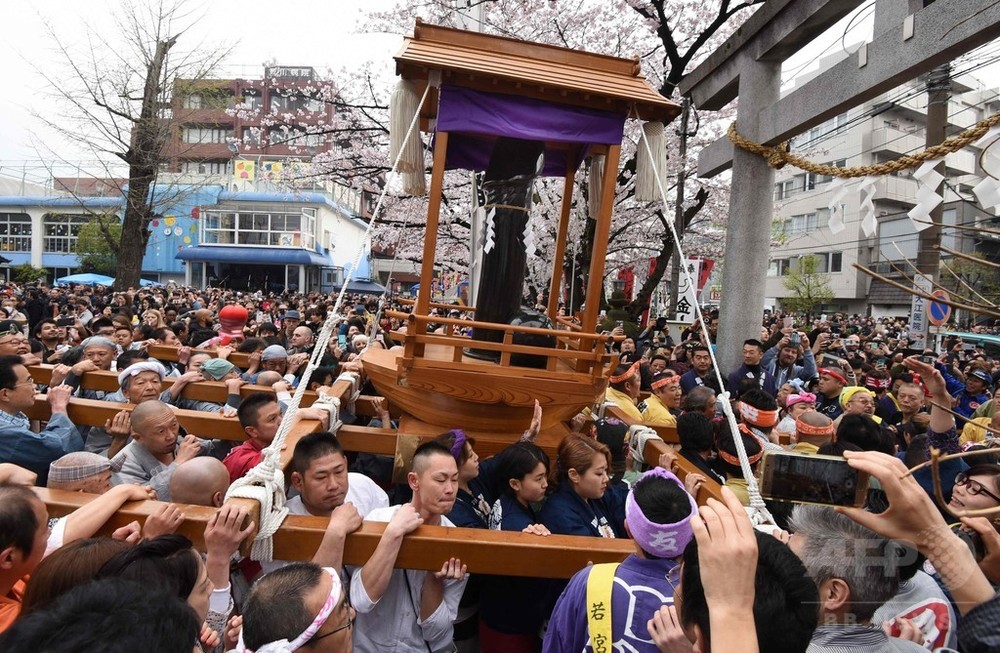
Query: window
207	135
836	261
192	101
252	100
15	232
251	136
779	267
260	228
297	103
61	231
209	167
295	138
784	189
824	179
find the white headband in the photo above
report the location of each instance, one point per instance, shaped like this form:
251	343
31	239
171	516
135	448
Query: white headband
283	645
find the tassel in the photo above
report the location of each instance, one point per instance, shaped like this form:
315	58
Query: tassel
647	171
596	184
403	105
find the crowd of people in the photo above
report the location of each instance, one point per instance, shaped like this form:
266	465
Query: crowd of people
903	573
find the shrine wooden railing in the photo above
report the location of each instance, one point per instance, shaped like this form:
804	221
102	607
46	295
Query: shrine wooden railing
584	352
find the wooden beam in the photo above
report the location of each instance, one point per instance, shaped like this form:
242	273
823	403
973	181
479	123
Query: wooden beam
430	233
214	391
484	551
169	353
654	449
595	278
557	259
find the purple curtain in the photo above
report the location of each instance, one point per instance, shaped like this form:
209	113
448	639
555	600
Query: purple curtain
473	119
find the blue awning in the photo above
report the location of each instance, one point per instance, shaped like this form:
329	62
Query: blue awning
259	255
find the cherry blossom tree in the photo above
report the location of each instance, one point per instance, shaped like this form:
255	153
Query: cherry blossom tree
668	37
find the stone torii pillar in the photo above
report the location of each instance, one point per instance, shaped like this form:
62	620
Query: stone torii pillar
748	234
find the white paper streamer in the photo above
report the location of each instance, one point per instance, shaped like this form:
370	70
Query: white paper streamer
839	188
988	137
927	196
491	234
529	239
866	189
987	192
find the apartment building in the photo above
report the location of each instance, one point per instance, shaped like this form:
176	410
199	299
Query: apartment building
878	131
217	123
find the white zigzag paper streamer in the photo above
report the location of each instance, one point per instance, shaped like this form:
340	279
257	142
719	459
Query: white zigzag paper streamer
987	192
491	234
529	239
927	195
839	188
867	191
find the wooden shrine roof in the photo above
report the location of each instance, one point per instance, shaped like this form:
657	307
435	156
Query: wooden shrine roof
505	65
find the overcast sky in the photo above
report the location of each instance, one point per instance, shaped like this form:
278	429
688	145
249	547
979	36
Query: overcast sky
325	36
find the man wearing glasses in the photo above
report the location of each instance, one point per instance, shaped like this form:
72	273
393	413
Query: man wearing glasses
18	443
298	606
14	343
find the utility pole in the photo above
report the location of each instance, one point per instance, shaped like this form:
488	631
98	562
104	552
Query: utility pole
938	94
675	270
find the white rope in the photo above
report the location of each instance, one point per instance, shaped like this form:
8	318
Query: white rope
756	501
266	482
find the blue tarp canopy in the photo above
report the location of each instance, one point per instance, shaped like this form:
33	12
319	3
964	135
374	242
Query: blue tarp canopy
85	278
258	255
363	286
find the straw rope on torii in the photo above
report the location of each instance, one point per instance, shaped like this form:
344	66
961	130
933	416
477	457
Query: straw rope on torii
265	483
778	156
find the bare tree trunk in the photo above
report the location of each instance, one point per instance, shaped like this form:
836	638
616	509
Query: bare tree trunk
142	157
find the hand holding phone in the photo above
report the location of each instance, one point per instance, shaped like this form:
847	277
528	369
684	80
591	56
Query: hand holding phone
824	480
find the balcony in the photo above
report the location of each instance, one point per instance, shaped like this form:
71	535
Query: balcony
894	141
900	191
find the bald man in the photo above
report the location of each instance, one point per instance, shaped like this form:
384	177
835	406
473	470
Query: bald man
301	340
202	481
812	430
155	451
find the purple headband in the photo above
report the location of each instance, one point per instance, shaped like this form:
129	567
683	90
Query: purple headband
460	439
661	540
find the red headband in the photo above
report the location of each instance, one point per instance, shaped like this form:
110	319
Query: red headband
733	460
873	383
763	418
808	429
626	375
659	383
834	373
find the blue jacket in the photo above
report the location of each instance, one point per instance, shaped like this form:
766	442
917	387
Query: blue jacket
472	510
566	513
779	377
35	451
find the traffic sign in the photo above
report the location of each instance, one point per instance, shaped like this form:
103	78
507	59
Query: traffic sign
939	312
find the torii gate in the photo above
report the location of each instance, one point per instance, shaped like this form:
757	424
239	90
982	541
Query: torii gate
910	39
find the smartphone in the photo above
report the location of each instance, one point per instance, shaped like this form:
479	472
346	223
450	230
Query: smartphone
788	322
829	360
824	480
342	339
795	339
880	364
930	360
619	323
65	322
